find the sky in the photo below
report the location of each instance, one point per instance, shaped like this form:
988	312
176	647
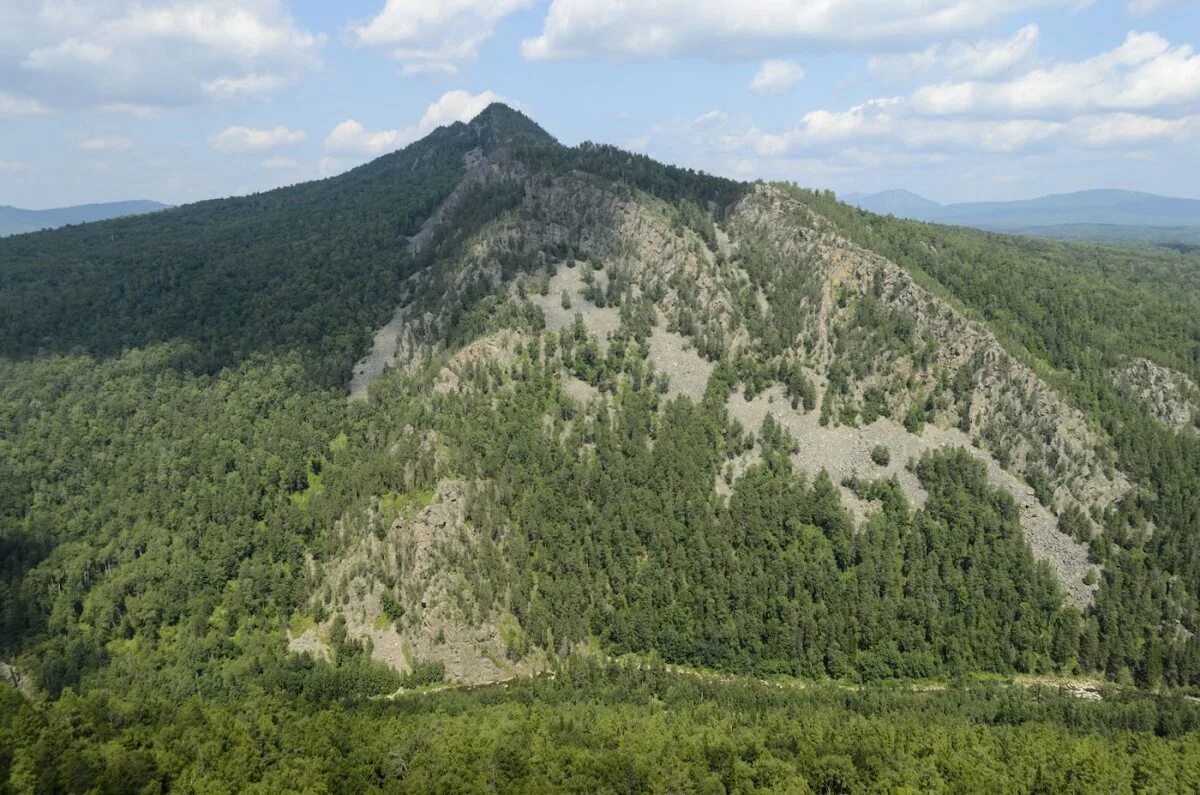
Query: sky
958	100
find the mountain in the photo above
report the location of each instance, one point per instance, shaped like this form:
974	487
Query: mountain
15	221
500	464
902	203
1099	214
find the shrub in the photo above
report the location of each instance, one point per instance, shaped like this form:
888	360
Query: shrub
880	455
425	672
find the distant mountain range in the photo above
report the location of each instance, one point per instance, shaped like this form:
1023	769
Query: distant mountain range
1089	214
15	221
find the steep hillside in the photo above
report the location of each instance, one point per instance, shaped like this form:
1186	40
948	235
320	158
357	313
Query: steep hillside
489	403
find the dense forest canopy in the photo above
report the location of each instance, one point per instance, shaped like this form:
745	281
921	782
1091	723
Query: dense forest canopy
180	471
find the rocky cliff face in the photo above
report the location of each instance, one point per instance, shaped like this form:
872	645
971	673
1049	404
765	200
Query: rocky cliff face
891	361
990	395
418	560
1170	396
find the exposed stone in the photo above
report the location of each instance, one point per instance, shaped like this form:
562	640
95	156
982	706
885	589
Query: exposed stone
1170	396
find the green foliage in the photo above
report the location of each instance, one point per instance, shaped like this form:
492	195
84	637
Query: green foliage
916	416
1074	312
775	580
696	219
170	496
424	672
271	272
880	455
798	385
614	729
392	608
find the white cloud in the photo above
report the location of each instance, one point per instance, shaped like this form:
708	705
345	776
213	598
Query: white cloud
888	128
998	105
874	117
132	109
1143	7
431	37
174	52
443	68
18	106
105	143
13	165
328	166
776	76
1144	72
980	59
1118	129
457	105
243	86
753	28
250	139
280	163
352	136
1011	136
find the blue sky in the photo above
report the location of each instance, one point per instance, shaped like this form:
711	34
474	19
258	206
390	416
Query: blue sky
958	100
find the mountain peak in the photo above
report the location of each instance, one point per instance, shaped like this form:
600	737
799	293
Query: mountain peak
498	124
892	202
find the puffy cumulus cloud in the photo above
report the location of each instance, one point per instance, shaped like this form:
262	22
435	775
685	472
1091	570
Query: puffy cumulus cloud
170	53
458	105
817	131
1144	72
980	59
890	130
1121	129
875	117
243	86
104	143
352	136
433	37
776	76
753	28
250	139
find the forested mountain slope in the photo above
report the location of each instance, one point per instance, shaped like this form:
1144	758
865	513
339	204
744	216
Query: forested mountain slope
602	406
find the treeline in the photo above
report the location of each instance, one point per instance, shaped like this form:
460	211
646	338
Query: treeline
597	728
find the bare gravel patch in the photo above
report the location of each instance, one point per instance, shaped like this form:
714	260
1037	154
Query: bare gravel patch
579	389
844	451
381	356
309	642
674	355
600	321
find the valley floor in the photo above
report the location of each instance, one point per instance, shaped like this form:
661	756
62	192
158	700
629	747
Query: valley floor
606	727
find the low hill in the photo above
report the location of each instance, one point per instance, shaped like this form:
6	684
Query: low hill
1091	214
15	221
